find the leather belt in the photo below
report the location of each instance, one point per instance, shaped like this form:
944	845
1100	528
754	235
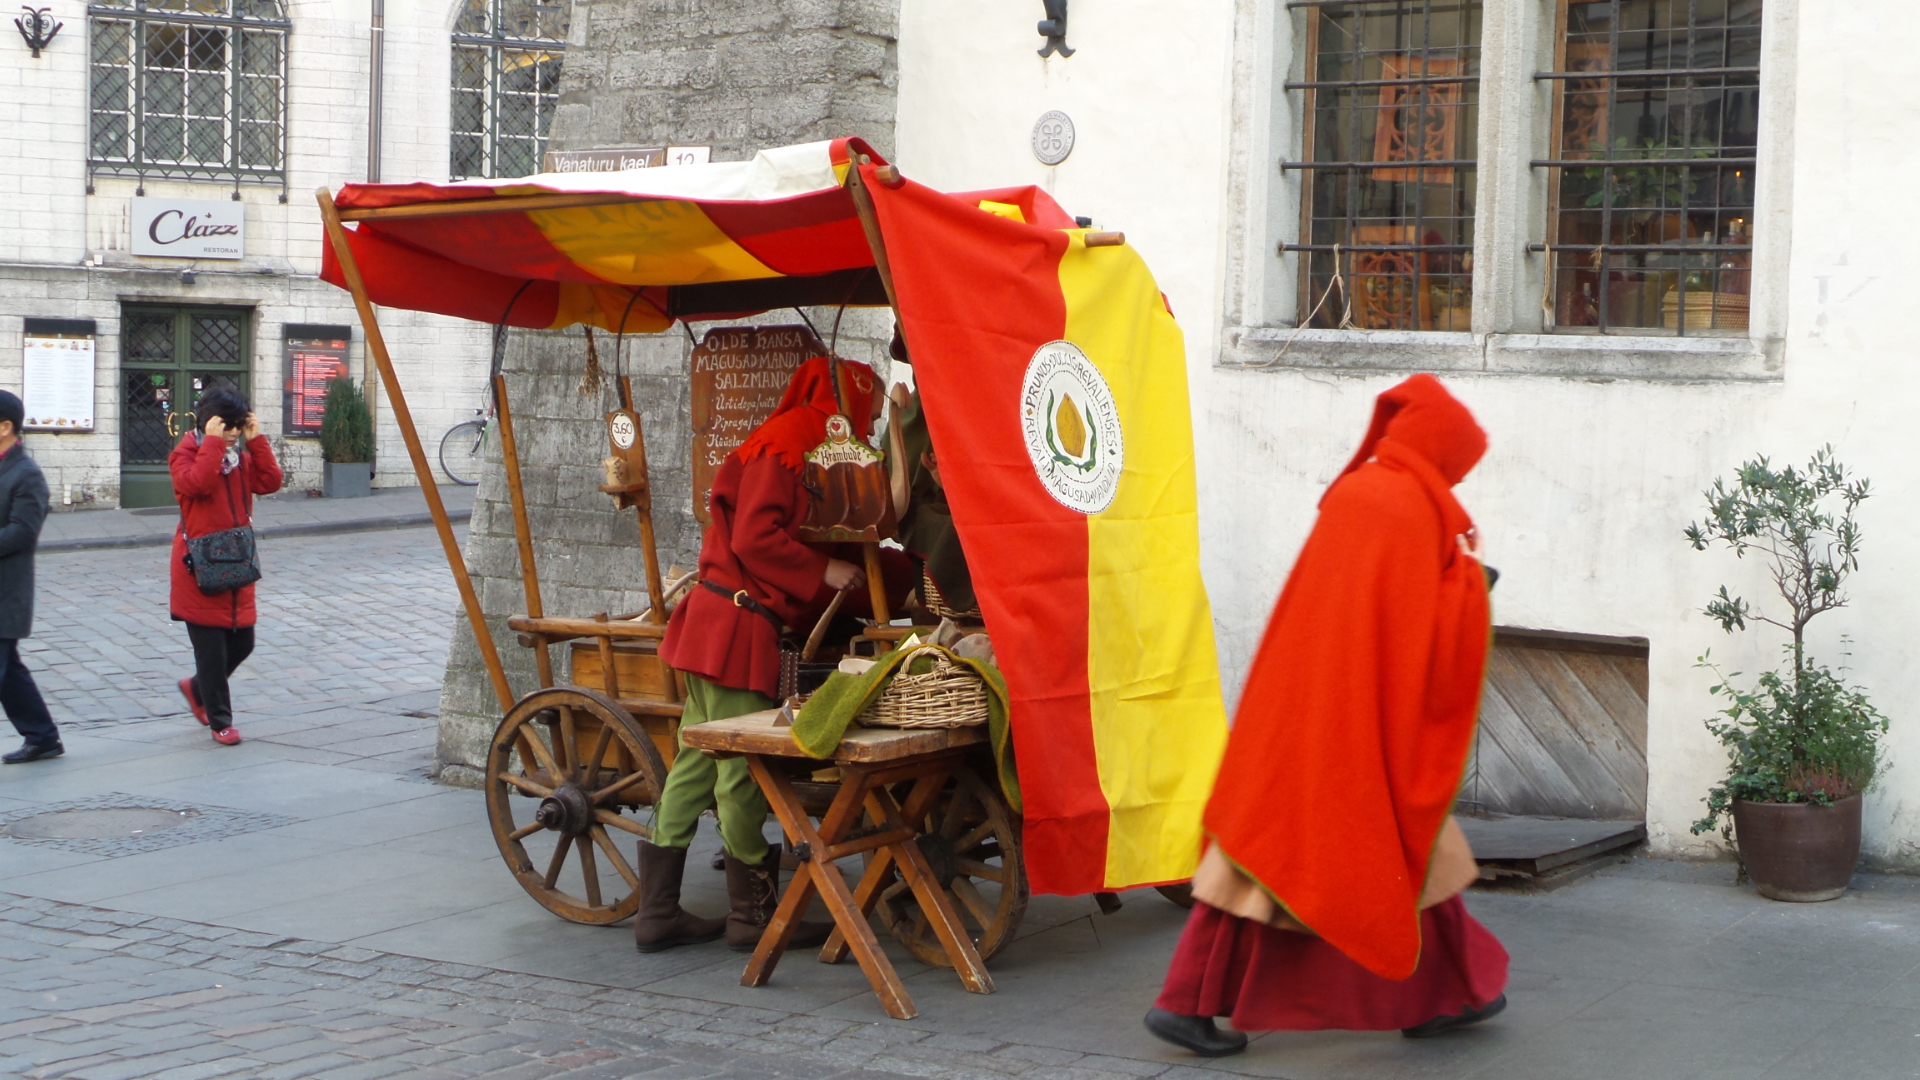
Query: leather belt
742	600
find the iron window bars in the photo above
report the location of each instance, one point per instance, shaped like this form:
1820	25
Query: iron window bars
188	90
1390	106
1656	114
506	81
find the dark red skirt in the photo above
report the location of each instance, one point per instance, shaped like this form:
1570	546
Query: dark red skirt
1264	979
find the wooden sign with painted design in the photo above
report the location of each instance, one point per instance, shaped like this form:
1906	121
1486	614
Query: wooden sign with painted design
739	374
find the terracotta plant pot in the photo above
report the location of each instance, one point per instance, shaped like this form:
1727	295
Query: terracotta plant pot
1797	852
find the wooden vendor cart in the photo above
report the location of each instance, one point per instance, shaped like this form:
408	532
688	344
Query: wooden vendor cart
571	767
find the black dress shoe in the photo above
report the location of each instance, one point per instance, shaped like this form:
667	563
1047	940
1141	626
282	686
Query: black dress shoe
33	752
1195	1033
1440	1025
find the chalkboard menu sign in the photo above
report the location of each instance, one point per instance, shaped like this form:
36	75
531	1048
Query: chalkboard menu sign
314	356
739	373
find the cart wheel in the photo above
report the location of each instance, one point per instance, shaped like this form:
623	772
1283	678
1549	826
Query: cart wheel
574	758
1181	893
972	843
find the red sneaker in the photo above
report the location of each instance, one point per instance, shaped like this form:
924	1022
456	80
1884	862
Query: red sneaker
227	736
193	700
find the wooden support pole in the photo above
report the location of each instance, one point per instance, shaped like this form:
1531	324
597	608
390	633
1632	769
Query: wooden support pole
649	550
377	345
522	531
876	243
507	204
877	586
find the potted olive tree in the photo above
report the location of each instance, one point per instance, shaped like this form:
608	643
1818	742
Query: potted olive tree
1803	744
346	441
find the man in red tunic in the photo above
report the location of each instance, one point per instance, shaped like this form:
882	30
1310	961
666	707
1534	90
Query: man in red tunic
1329	894
757	578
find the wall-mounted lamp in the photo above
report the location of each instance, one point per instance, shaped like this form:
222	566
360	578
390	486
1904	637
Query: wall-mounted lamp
37	28
1054	29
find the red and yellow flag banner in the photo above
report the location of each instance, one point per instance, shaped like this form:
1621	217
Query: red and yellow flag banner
1055	384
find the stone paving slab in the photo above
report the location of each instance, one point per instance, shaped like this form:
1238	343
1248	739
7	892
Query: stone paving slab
287	513
342	618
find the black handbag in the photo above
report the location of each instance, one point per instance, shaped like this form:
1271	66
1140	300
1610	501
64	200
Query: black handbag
225	560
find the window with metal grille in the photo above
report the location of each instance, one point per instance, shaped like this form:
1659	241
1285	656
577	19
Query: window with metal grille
506	82
1657	115
188	89
1391	111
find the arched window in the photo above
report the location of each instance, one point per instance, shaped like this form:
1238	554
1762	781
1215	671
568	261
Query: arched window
188	89
506	81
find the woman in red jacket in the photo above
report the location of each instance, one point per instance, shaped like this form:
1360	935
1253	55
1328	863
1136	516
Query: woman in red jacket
217	470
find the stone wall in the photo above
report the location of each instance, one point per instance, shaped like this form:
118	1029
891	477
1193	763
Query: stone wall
739	76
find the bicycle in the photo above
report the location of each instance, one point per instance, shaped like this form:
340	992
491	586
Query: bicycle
462	447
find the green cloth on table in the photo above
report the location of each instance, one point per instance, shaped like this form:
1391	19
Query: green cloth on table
825	717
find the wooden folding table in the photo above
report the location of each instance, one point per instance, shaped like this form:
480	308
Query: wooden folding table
870	761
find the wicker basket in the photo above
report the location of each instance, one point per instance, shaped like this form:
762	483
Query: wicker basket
950	695
931	599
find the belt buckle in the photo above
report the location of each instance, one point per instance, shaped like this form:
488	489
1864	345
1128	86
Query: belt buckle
741	599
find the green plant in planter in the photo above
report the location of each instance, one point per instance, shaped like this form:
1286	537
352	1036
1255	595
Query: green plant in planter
1801	734
346	426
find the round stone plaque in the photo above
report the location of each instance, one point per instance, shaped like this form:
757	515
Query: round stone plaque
1052	137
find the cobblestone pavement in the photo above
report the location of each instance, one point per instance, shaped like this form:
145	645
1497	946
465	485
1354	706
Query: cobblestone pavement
348	615
103	995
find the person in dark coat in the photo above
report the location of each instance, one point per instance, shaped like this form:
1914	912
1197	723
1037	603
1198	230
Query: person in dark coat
23	509
217	470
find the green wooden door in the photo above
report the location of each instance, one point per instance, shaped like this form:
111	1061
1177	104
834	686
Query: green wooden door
169	356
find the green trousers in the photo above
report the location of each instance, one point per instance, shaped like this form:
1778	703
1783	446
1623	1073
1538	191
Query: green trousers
697	783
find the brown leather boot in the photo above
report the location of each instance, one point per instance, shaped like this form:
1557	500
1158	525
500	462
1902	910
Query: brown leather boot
661	923
754	893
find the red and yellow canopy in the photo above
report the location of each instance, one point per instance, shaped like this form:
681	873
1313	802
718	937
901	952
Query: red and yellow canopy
1056	393
627	250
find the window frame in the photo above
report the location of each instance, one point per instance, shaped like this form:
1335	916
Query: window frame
496	43
1310	85
1259	328
237	24
1558	77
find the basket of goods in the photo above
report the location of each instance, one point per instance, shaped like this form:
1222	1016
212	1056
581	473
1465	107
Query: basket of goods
930	689
933	601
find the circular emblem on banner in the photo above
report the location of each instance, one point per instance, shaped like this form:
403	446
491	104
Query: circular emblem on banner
1072	427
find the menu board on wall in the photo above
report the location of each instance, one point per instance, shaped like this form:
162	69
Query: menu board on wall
739	373
56	383
315	355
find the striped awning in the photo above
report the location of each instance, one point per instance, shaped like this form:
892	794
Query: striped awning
630	250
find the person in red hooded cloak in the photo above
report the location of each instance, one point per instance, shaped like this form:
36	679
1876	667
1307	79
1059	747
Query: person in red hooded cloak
1328	897
757	579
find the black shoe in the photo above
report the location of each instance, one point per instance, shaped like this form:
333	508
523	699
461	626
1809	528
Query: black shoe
1440	1025
1195	1033
33	752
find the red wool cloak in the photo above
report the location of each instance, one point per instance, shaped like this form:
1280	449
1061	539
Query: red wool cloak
1353	730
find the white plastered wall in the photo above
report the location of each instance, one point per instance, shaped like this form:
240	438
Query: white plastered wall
1599	449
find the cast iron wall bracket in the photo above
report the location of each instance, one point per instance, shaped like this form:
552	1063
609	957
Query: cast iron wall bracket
37	28
1054	29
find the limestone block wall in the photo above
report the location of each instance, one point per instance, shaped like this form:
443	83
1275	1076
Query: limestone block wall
739	77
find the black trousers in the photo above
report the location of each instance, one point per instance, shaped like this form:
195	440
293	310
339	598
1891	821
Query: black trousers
217	654
21	699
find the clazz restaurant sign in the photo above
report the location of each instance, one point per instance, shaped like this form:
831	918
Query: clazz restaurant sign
190	228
